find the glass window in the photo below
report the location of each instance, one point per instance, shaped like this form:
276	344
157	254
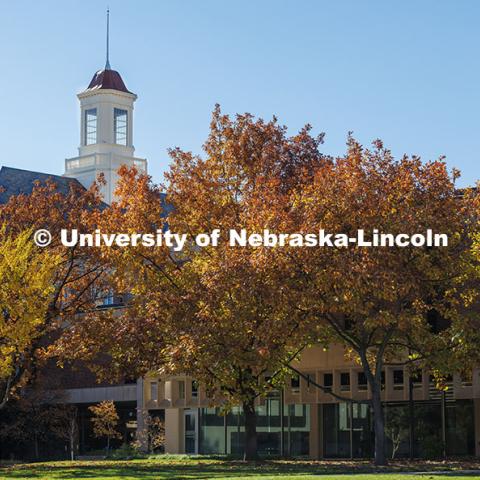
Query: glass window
362	382
345	382
310	377
398	379
90	126
194	388
328	381
190	432
111	299
120	126
341	437
219	434
212	433
295	383
296	430
397	429
428	430
154	391
235	431
336	432
460	428
181	389
361	431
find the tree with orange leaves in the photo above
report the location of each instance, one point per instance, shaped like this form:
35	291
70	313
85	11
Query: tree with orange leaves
387	305
235	318
105	421
218	314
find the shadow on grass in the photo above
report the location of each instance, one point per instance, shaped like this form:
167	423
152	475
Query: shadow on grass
200	468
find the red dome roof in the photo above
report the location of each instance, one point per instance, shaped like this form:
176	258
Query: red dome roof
107	80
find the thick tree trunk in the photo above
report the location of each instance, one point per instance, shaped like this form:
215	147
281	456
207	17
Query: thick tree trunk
374	379
251	452
379	426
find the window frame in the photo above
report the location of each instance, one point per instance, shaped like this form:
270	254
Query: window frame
345	381
120	130
154	391
87	125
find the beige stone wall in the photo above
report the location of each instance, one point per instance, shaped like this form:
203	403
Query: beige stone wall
176	392
174	438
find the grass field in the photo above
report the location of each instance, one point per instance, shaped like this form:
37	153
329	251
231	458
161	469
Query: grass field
189	468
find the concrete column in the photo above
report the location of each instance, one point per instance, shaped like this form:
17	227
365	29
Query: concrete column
314	437
174	435
321	453
141	434
476	405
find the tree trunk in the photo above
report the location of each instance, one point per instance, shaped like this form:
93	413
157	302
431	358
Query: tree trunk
374	379
250	430
379	426
72	447
108	445
73	434
35	445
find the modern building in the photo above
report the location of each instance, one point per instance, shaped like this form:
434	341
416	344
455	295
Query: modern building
304	420
301	420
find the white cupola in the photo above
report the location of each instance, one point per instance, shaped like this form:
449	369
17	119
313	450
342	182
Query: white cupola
106	131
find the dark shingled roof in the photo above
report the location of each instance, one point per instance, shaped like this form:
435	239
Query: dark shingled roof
14	181
107	80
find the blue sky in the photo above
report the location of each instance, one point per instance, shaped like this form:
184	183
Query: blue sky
407	72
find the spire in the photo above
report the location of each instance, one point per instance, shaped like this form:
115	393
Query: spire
107	63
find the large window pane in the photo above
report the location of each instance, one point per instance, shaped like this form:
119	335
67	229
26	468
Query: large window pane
362	431
269	425
341	437
90	126
297	430
428	430
212	431
120	126
336	430
219	434
397	429
460	431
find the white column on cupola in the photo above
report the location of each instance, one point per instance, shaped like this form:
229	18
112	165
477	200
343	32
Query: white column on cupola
106	131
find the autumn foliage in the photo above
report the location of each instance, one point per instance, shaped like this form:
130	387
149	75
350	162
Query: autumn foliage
235	318
218	314
105	421
42	288
399	306
26	275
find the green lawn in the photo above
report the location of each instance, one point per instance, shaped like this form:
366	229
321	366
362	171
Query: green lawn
182	467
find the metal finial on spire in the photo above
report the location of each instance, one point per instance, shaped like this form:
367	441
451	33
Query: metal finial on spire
107	63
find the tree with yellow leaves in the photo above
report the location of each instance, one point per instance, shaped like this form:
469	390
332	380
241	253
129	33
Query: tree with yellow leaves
75	275
26	274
